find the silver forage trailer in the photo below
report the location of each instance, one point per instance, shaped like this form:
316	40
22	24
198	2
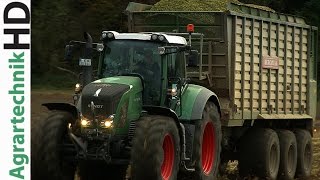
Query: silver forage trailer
262	67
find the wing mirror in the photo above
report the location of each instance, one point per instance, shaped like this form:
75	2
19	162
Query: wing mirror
193	58
68	52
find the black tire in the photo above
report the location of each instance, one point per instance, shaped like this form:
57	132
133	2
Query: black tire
53	135
305	153
155	137
288	154
36	132
210	119
259	154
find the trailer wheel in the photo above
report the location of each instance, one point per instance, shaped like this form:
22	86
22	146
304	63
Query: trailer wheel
155	149
207	144
260	154
53	136
288	154
305	152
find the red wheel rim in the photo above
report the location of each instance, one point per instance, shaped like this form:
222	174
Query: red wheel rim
208	148
168	157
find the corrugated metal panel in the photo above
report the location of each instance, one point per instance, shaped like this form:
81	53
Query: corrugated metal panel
266	91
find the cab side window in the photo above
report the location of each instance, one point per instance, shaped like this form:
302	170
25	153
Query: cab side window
176	66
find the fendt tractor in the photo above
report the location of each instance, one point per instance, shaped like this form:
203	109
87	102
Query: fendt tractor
168	103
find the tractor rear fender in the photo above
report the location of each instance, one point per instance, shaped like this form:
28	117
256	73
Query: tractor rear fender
62	107
194	100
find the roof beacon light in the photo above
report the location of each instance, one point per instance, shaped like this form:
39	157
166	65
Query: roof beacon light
190	28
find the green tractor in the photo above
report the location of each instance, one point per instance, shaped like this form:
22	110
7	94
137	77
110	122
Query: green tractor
140	118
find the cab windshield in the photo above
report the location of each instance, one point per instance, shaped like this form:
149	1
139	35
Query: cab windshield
125	57
130	56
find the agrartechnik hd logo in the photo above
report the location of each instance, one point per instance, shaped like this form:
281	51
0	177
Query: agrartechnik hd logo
15	60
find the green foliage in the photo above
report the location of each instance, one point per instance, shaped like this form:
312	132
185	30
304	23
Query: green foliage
55	23
62	81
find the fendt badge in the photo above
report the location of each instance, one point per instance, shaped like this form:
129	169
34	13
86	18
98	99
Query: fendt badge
93	106
96	94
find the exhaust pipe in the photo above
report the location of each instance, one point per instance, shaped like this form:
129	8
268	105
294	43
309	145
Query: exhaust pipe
85	61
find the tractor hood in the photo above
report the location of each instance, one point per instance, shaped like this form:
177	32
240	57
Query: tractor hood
106	94
103	96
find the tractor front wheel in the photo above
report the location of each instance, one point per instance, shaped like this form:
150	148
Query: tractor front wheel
54	134
155	149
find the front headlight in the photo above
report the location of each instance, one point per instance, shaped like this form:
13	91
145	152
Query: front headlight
107	123
77	88
85	122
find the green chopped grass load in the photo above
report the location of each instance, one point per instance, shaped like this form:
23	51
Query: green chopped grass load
200	5
192	5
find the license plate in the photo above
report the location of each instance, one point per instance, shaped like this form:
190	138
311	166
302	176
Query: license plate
85	62
269	62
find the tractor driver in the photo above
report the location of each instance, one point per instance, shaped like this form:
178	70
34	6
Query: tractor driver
150	71
151	66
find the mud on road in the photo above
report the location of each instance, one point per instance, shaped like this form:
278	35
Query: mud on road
39	97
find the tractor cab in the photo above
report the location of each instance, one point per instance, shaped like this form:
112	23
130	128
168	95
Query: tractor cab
157	59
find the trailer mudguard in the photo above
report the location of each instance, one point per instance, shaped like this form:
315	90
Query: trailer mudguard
194	100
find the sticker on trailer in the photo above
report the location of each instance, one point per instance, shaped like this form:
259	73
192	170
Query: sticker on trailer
269	62
85	62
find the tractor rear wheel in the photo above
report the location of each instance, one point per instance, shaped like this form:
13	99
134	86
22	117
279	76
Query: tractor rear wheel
207	144
155	149
305	152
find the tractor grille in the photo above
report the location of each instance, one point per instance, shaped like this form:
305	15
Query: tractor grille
105	97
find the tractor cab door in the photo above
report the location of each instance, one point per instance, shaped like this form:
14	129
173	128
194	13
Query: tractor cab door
176	75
